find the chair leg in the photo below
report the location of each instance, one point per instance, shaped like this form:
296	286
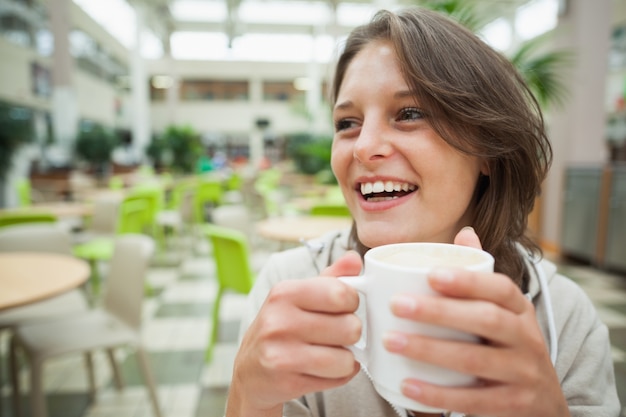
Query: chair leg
117	375
91	378
38	396
208	355
15	379
149	380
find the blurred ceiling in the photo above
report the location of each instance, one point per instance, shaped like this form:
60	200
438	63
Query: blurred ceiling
160	18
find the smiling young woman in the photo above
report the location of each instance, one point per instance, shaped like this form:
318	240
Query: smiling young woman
437	139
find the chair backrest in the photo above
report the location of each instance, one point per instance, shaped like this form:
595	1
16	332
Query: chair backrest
179	192
105	215
232	258
234	181
330	209
207	191
133	215
20	217
124	287
24	192
233	216
116	183
36	238
154	195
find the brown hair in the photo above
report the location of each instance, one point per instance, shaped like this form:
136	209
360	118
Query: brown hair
476	101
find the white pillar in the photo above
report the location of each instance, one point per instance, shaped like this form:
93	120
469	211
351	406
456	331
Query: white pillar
313	94
64	108
140	94
172	93
577	130
256	144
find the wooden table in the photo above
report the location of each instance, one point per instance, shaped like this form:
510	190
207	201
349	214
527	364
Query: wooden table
27	277
59	209
293	229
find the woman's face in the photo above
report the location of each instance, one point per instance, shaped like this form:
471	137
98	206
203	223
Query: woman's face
402	181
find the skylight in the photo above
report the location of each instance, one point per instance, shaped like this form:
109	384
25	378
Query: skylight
118	18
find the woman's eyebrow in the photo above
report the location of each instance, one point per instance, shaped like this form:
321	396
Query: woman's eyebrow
344	105
398	95
403	94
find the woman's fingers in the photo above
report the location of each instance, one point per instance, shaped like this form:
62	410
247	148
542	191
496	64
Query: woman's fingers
479	400
311	327
491	287
323	294
484	361
468	237
479	318
312	360
349	264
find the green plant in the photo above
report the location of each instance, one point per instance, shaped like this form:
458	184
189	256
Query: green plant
157	152
460	10
541	69
183	145
16	129
311	154
94	145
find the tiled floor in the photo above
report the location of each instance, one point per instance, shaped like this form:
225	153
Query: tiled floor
176	331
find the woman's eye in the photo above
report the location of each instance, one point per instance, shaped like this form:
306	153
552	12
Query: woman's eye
410	113
343	124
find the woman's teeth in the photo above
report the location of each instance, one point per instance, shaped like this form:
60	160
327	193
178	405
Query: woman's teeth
368	188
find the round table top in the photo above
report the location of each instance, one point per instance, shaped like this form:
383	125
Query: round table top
57	208
296	228
27	277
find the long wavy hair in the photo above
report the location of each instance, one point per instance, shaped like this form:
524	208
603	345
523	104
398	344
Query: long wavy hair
475	99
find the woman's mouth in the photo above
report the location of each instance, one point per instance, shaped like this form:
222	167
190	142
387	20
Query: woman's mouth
385	190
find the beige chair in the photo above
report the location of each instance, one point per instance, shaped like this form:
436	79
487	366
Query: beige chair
234	216
103	222
40	237
116	323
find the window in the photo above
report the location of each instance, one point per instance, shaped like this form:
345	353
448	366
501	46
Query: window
192	90
280	91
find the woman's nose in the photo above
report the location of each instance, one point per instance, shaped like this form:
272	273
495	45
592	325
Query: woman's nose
372	144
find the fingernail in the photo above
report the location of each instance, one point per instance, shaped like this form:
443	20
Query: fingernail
395	341
442	275
402	304
468	228
410	389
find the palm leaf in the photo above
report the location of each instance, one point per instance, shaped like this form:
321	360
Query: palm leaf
462	11
543	70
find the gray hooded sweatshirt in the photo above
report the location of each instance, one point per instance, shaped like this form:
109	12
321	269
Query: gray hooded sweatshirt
577	339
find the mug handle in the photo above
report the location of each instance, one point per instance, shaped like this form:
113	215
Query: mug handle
358	283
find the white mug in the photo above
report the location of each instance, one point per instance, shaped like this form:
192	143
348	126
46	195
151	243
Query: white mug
402	268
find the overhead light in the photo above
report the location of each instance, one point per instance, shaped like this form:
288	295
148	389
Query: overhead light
303	84
162	81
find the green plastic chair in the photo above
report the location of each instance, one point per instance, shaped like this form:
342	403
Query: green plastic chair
232	269
330	209
207	192
24	192
267	185
153	195
20	217
131	220
234	182
178	211
116	183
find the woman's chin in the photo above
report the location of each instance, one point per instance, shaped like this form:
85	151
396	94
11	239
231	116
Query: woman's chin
376	238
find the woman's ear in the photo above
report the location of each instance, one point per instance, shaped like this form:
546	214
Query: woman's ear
484	168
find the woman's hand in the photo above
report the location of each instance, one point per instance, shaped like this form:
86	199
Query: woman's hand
295	344
513	364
